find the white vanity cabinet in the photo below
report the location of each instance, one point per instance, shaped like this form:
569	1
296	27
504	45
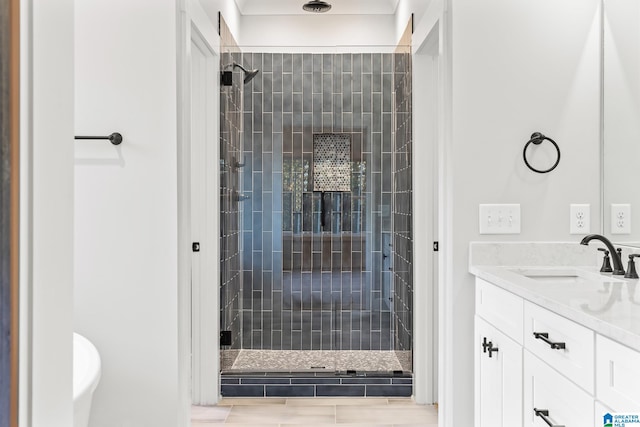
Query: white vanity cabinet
567	337
535	368
498	357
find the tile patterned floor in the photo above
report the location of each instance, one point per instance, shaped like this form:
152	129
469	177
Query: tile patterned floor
316	412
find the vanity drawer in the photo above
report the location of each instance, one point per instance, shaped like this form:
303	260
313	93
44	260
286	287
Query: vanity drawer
565	345
546	389
617	375
500	308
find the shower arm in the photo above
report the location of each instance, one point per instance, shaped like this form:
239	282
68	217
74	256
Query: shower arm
234	65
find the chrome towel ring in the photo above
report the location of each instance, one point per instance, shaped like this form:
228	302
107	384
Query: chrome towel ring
537	138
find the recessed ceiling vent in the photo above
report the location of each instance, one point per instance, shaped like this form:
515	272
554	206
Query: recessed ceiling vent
317	6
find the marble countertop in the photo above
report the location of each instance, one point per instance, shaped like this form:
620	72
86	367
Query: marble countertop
609	305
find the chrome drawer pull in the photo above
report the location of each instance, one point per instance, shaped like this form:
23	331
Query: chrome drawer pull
544	336
544	413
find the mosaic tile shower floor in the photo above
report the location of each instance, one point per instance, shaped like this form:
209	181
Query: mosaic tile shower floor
316	360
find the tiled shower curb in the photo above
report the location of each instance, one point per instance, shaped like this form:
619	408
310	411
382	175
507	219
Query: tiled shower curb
317	385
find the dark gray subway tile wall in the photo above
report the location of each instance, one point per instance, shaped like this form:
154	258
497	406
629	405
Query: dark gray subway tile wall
303	289
402	210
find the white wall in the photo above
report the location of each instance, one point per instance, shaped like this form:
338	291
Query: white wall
126	207
308	31
517	67
46	266
301	33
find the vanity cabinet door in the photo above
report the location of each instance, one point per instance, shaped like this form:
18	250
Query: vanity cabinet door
502	309
551	396
498	378
617	375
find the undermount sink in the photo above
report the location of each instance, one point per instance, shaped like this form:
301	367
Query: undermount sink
563	279
562	275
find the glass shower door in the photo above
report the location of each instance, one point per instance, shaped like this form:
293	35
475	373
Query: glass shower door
316	223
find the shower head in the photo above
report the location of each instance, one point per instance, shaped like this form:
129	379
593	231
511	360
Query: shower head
317	6
248	74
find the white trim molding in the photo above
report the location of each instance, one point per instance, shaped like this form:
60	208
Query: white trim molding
198	327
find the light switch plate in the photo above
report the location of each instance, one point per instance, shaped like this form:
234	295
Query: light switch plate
500	219
620	218
580	219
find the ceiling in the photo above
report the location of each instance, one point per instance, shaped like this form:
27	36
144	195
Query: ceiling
340	7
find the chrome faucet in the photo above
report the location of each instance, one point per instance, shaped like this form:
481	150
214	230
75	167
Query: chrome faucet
618	270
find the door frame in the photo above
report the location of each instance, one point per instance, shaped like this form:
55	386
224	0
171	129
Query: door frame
204	222
431	372
198	290
430	224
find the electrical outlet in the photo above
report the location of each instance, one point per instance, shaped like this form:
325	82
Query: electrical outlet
620	218
500	219
579	219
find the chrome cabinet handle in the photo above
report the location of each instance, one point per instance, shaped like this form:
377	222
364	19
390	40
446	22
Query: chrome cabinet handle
544	336
544	413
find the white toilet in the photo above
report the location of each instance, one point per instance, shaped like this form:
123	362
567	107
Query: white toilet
86	375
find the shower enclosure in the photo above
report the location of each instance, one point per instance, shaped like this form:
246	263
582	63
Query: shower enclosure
316	212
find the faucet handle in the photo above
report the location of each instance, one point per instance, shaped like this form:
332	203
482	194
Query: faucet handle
606	262
631	268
